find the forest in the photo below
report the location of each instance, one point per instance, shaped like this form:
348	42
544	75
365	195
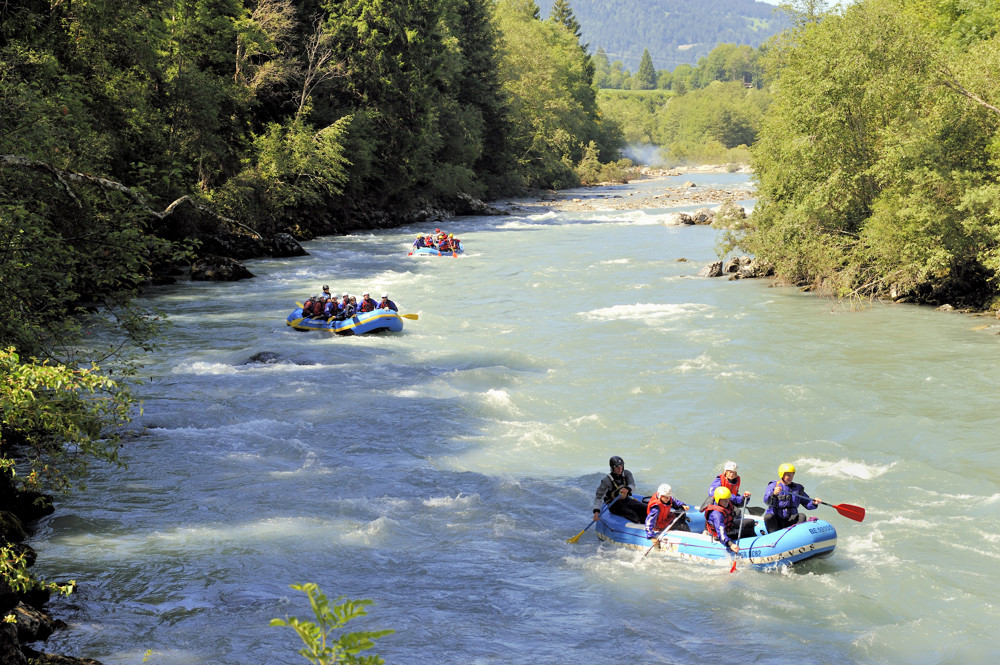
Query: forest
878	159
675	32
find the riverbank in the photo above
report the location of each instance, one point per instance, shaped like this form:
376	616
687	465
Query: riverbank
611	196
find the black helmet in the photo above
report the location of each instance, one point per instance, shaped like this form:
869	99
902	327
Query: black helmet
616	461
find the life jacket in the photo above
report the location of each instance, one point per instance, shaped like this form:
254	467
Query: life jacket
616	487
445	245
664	518
307	307
733	487
367	305
727	517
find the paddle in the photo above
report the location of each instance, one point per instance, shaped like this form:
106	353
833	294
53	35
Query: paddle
856	513
851	512
739	532
592	522
412	317
665	529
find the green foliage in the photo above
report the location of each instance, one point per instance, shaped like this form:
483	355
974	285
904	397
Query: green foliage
299	167
591	171
14	572
62	417
553	106
645	78
320	646
876	164
714	125
726	62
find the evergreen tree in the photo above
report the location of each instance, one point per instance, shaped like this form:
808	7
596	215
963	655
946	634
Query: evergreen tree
645	78
480	89
562	13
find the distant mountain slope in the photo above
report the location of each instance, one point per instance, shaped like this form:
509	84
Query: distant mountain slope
674	31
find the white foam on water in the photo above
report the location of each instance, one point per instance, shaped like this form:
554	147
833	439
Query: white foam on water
700	364
843	468
459	501
309	465
589	418
866	548
499	400
376	532
202	368
646	312
945	498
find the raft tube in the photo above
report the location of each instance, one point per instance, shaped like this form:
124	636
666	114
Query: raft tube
380	320
813	539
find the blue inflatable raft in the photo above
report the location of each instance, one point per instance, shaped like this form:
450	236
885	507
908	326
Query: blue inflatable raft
381	320
430	251
814	539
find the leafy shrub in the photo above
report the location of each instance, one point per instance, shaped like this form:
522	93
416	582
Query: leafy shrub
320	648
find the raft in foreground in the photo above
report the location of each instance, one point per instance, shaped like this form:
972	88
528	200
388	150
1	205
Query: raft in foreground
809	540
380	320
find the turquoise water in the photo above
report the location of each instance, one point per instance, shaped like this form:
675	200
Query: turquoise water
440	471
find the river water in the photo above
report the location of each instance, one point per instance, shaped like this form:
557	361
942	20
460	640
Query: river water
440	471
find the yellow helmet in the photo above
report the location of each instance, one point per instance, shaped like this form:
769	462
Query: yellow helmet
785	468
722	493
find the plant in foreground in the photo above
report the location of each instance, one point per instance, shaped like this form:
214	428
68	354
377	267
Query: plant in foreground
320	648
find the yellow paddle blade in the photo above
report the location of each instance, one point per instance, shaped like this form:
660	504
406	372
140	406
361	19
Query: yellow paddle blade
575	538
299	304
295	322
412	317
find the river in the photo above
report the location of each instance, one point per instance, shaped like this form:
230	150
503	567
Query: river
440	471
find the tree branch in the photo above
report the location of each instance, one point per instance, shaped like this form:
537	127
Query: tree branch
948	81
64	177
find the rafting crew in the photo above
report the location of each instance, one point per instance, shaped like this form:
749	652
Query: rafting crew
325	306
366	304
661	516
331	308
730	479
449	244
439	240
783	498
385	303
312	306
719	518
619	484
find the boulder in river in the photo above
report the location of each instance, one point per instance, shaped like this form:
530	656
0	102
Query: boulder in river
218	269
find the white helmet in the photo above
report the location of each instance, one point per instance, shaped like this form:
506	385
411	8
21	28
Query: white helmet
664	490
730	466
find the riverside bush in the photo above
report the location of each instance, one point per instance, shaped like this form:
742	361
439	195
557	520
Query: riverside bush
320	647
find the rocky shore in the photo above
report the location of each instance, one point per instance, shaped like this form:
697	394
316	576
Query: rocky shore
23	598
607	198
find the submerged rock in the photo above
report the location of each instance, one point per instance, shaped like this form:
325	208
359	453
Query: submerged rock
219	269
